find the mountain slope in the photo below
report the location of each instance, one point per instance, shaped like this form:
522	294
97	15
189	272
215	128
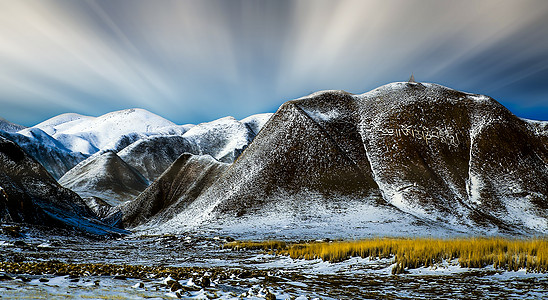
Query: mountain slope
8	126
153	155
46	150
223	139
419	156
30	195
106	176
178	186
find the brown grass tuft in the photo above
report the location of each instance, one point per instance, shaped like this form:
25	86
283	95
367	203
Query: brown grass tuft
501	253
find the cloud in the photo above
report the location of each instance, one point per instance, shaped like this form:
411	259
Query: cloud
193	61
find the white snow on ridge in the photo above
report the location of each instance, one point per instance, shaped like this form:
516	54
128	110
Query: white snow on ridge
220	138
90	134
322	116
256	122
50	126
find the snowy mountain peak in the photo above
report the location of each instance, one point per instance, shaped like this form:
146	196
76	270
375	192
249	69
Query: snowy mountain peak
49	125
110	131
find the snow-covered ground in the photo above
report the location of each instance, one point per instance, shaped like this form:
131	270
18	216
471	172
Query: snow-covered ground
243	274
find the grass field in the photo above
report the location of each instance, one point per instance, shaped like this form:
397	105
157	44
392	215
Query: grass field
501	253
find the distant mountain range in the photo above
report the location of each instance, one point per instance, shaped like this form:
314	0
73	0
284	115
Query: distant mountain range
405	158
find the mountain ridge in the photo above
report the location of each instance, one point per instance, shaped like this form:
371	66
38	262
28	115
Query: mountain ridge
410	147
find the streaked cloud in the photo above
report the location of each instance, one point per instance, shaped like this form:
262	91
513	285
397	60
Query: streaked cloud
193	61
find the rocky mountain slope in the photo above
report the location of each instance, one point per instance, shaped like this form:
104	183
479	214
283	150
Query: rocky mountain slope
406	157
106	176
224	139
178	186
30	195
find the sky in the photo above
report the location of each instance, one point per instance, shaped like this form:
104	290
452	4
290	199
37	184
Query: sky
196	61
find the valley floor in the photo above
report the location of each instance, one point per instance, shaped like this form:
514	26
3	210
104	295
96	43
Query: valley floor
50	266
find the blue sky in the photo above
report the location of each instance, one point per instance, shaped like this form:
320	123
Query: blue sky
195	61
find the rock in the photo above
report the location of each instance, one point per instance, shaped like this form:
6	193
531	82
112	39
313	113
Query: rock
269	296
174	286
205	282
13	231
20	244
4	277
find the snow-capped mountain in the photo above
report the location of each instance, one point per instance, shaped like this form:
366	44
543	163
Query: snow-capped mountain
117	178
151	156
8	126
29	194
63	141
406	157
224	139
106	176
112	131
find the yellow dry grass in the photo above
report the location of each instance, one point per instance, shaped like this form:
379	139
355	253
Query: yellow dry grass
501	253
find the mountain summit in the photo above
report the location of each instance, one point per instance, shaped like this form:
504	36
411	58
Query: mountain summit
403	158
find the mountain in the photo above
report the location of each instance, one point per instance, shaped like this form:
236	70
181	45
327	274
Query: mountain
112	131
185	179
96	177
153	155
404	158
256	122
223	139
8	126
30	195
46	150
106	176
60	143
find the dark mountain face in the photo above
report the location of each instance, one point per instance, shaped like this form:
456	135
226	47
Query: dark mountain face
432	154
29	194
106	176
178	186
